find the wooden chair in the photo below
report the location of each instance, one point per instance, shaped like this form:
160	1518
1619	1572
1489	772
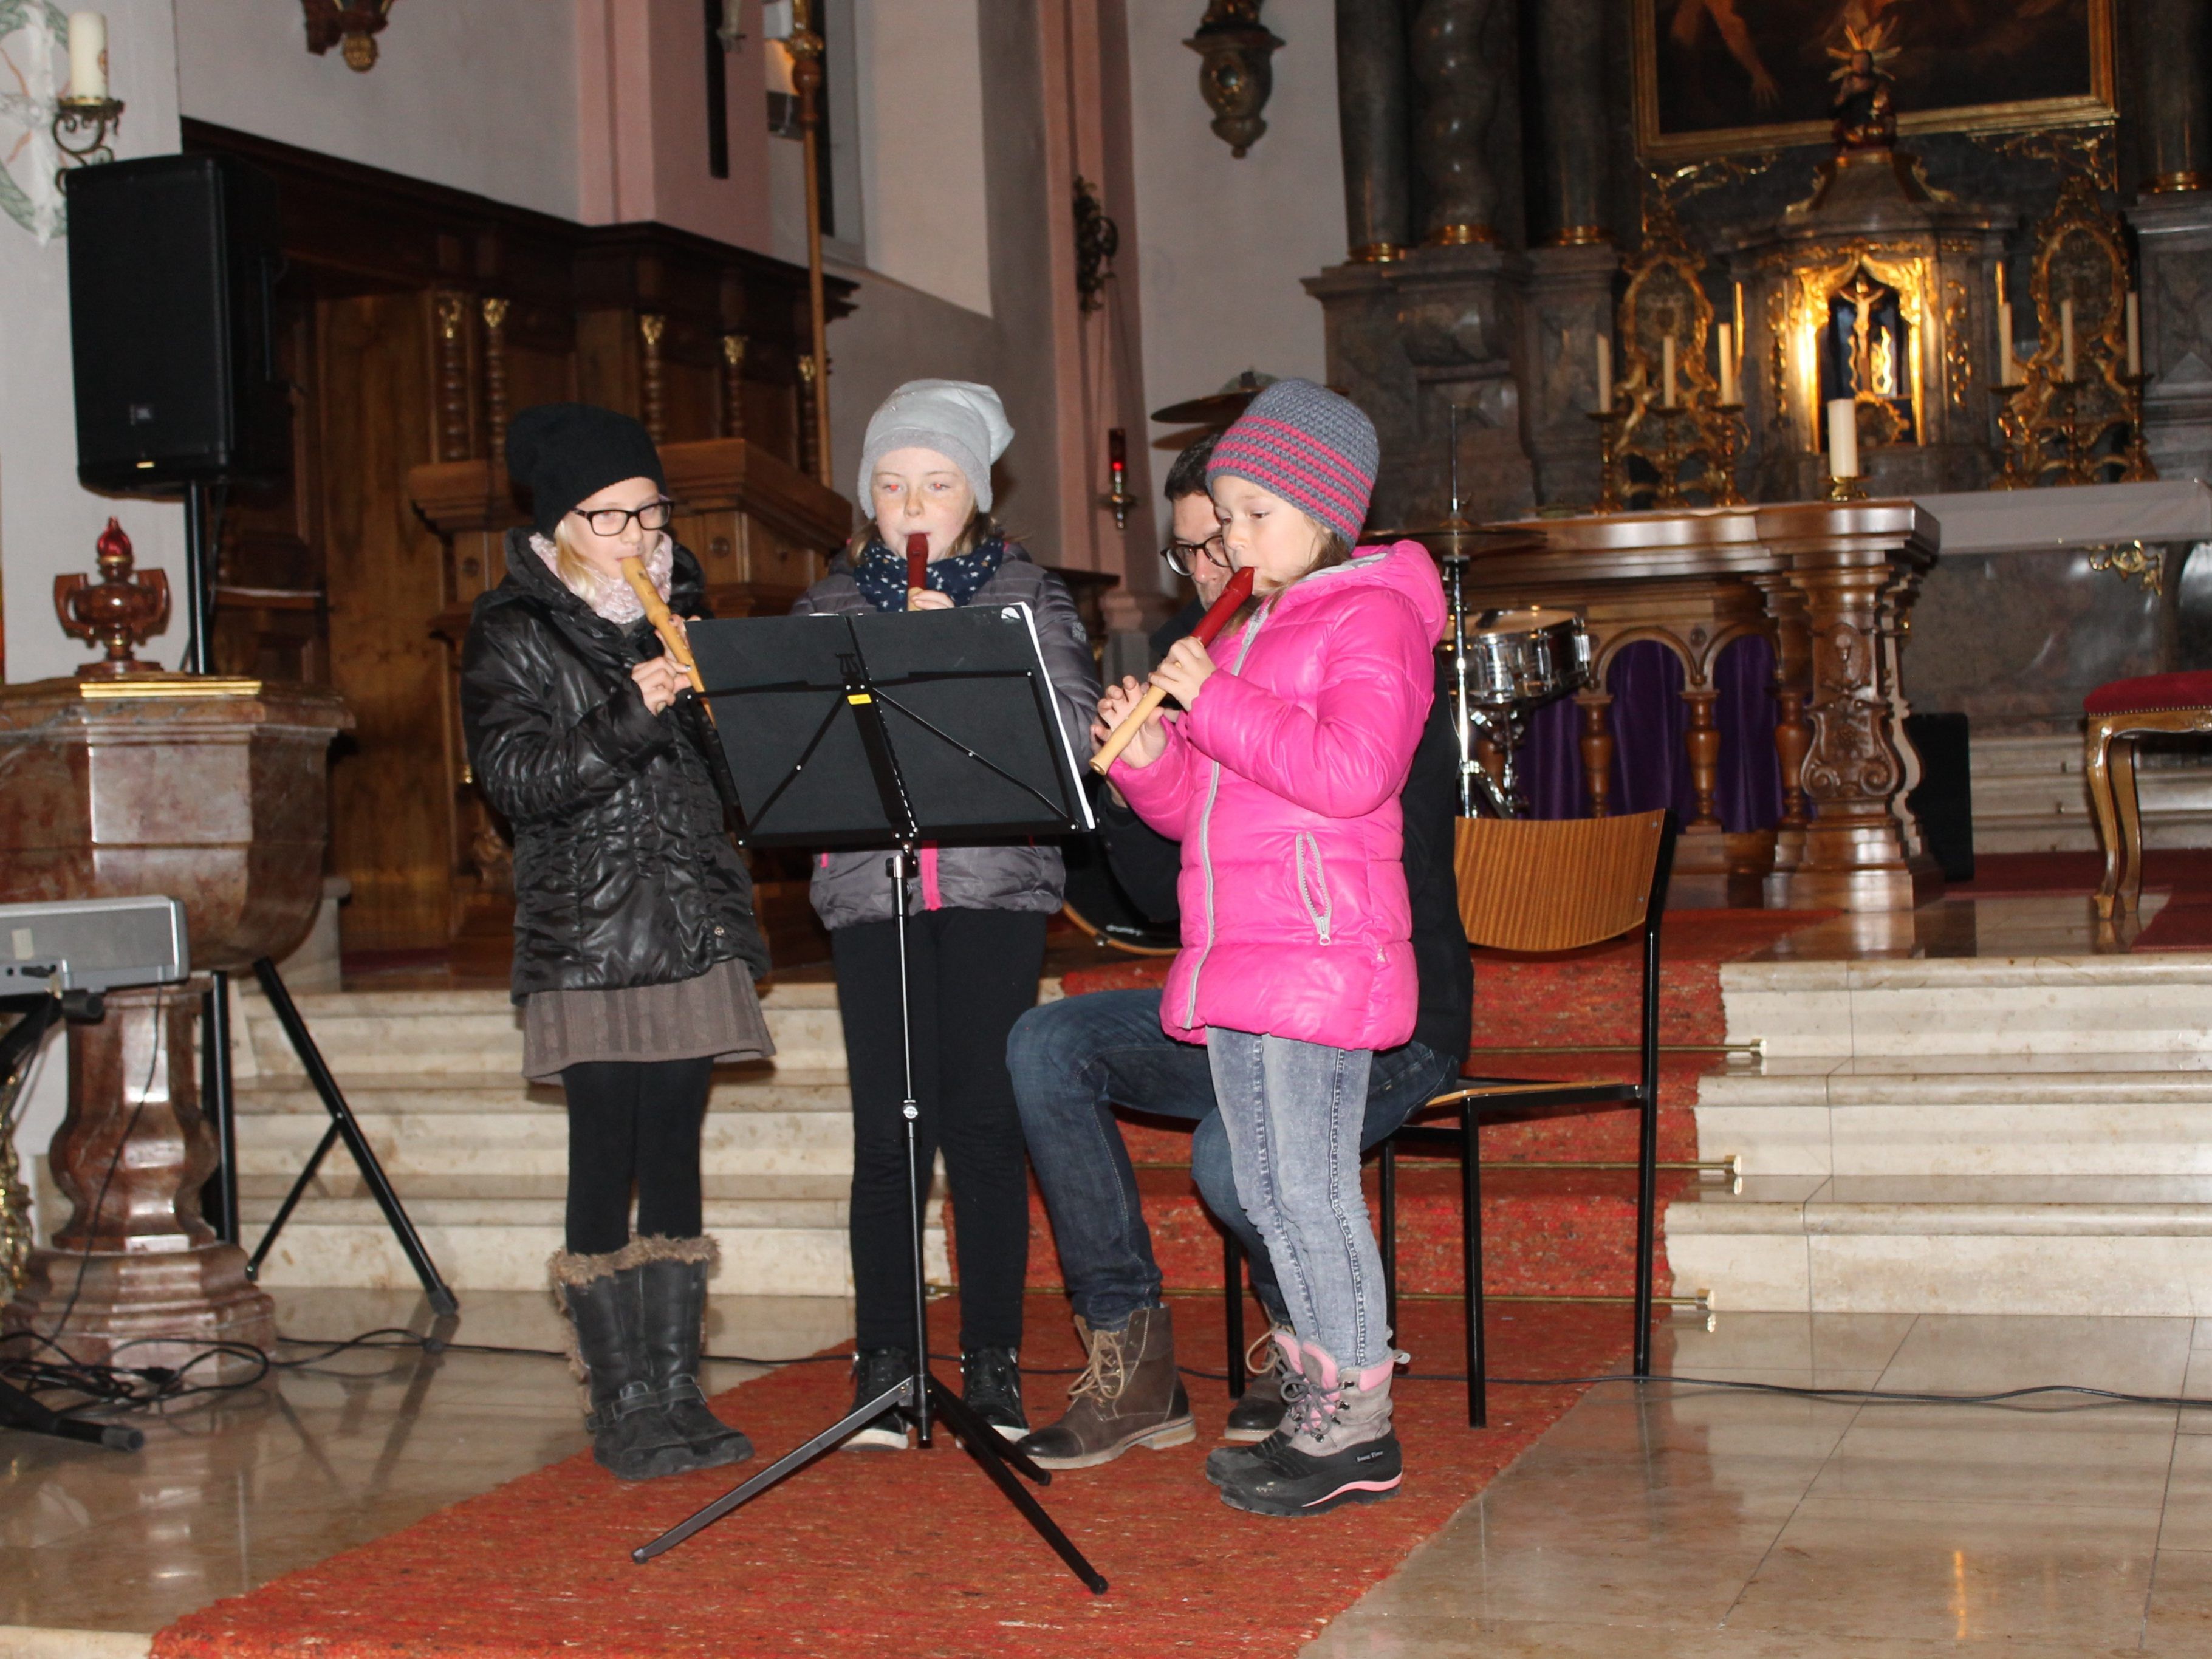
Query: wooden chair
2118	713
1545	888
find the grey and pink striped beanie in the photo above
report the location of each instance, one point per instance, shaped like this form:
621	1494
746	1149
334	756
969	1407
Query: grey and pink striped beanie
1302	442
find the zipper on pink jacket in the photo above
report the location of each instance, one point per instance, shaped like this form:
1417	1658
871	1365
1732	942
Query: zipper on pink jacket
1206	838
932	896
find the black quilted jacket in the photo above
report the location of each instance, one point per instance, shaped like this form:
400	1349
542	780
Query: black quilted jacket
623	875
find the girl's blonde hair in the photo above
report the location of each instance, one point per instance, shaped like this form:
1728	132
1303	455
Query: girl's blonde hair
577	574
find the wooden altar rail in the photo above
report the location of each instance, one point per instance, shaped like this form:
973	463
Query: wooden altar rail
1832	585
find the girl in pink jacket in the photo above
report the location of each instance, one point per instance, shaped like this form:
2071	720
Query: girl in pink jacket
1281	779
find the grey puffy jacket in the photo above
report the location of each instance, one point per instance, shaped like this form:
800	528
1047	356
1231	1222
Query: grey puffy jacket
851	887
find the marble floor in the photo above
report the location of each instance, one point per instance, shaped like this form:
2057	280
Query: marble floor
1692	1520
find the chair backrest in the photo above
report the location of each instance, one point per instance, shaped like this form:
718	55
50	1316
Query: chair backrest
1556	884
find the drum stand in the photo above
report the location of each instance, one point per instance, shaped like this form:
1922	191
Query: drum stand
1480	793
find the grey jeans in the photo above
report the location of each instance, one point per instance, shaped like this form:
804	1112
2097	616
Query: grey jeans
1293	1112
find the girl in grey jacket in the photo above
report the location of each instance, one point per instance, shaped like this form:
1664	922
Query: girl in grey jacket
976	926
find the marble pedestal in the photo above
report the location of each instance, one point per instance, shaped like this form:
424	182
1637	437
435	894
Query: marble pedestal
2175	235
1408	340
213	792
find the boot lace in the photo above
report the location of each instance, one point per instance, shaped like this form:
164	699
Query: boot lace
1262	1356
1108	1373
1311	1408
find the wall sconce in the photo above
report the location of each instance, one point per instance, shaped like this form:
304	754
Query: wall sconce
1233	73
352	26
1097	239
85	115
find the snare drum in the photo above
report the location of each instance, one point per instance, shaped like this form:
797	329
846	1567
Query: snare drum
1527	656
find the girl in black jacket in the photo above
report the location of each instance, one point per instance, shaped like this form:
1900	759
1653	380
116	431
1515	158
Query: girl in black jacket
634	944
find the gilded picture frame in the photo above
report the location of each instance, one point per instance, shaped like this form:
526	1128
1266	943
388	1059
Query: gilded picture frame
1718	76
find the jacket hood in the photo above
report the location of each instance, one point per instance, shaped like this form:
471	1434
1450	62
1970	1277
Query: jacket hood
1403	568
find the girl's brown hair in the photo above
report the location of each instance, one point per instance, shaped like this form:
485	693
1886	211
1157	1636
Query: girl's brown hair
1334	551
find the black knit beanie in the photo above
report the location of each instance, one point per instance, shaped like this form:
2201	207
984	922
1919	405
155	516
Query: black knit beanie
568	453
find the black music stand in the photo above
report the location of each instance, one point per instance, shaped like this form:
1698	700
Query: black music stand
893	728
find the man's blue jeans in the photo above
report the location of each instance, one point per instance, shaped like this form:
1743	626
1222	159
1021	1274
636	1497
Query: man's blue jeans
1074	1062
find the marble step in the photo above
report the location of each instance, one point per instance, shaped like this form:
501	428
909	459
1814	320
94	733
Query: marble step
2102	1008
2129	1244
781	1234
1962	1115
763	1119
365	1033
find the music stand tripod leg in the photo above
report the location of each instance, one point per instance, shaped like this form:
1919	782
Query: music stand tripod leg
919	1392
441	1298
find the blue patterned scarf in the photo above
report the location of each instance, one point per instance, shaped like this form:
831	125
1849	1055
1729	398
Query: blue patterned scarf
882	573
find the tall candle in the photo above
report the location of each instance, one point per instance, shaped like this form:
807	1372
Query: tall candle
1604	375
1727	363
87	55
2134	333
1843	438
2000	291
2008	369
1666	371
2066	339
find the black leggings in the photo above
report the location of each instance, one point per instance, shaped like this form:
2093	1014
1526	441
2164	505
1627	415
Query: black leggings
972	973
634	1122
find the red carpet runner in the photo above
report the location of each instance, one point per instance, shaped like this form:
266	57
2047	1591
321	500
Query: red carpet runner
912	1555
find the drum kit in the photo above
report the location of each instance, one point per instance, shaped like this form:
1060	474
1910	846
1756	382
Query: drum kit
1505	664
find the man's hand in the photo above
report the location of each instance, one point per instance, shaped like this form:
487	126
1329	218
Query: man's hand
1115	708
659	679
1184	671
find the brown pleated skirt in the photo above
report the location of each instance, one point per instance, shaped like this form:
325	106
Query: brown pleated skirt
716	1014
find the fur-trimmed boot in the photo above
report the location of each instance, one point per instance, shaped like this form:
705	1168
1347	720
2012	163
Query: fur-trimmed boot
632	1437
673	1298
1338	1446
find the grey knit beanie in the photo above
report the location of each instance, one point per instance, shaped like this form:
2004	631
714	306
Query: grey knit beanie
1302	442
962	421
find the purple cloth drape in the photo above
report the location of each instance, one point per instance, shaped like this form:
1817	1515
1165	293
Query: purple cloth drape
1650	768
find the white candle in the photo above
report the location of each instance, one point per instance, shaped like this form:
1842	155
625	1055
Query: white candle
2008	369
1727	363
1604	375
1843	438
2134	334
2066	339
1666	371
87	53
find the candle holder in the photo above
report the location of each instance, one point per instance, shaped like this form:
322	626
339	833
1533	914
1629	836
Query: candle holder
1849	487
1727	433
1611	424
81	129
2139	467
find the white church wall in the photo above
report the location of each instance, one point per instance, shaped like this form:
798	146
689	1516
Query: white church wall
920	108
1225	241
480	96
47	523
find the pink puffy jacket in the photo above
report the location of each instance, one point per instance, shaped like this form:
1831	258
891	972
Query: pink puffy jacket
1283	785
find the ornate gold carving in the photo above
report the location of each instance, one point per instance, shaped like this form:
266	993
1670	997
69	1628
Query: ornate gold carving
494	321
1958	352
2130	561
1234	75
2169	184
2087	429
651	326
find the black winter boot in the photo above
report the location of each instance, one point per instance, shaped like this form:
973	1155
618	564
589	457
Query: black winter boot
875	1369
672	1295
991	1387
631	1436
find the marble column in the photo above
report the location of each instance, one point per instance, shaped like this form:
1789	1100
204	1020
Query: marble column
2173	234
2173	72
1462	58
1568	305
1374	110
1570	126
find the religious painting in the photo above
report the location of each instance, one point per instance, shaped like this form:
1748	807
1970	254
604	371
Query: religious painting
1716	76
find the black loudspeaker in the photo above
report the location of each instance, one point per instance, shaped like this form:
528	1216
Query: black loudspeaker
171	262
1944	801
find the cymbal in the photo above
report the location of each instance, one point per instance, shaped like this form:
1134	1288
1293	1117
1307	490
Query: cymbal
1216	409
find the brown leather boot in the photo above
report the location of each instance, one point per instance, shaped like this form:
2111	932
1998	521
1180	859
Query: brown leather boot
1128	1395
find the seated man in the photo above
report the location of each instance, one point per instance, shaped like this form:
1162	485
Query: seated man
1074	1062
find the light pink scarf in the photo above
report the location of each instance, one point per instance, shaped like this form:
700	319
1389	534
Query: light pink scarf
611	597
